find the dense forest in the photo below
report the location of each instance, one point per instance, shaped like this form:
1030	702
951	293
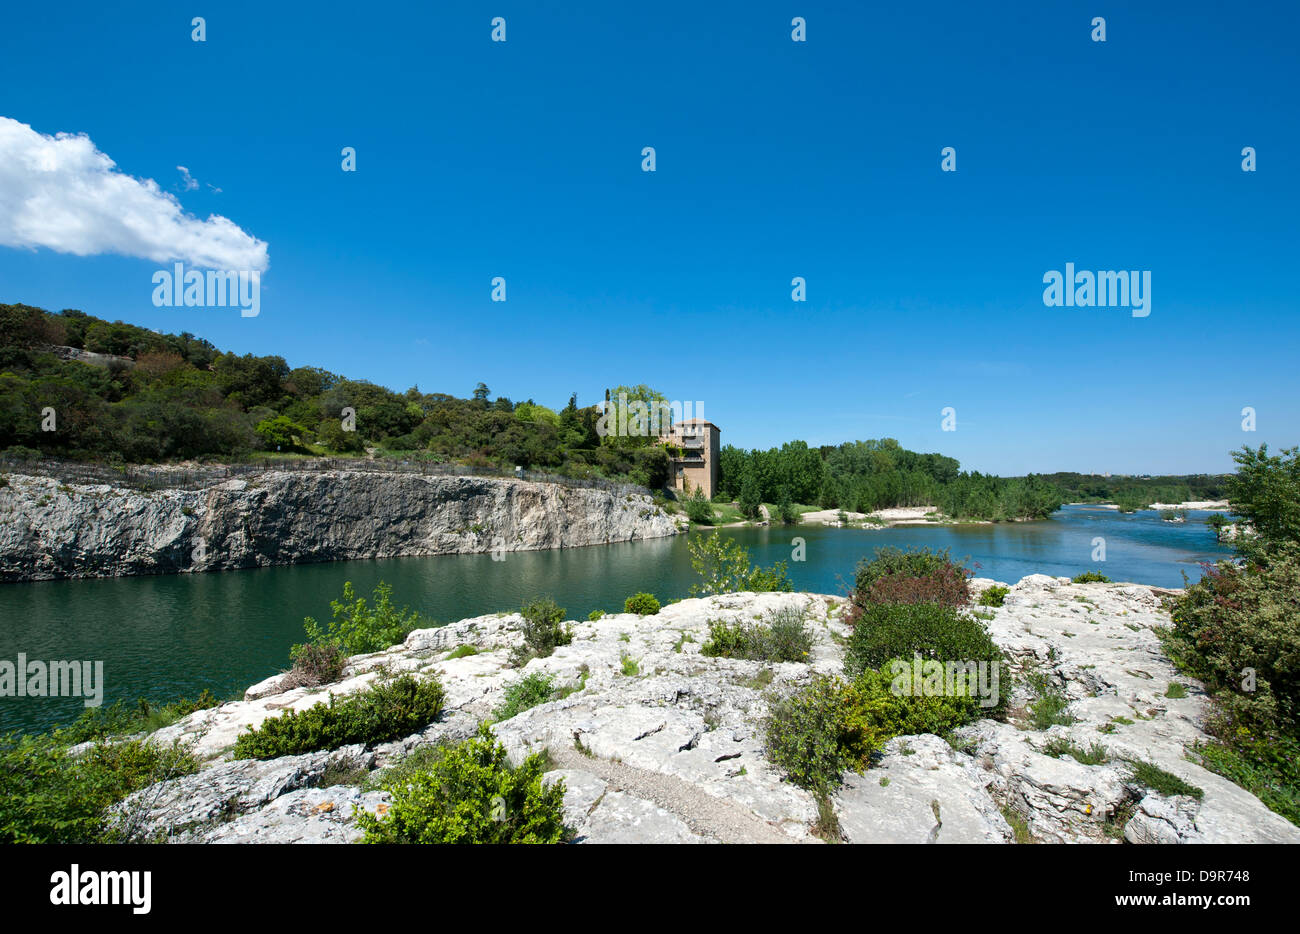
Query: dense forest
861	476
77	387
148	397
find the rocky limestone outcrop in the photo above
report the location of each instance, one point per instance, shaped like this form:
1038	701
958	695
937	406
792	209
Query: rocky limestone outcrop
50	529
674	752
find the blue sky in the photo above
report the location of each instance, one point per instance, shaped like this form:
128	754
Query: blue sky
775	159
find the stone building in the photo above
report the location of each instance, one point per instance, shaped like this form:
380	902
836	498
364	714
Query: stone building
696	465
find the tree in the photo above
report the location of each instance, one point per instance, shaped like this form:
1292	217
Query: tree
1266	493
750	500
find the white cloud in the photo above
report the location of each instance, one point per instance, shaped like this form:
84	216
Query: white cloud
188	181
62	193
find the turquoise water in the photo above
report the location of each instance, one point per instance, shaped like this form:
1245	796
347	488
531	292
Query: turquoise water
170	636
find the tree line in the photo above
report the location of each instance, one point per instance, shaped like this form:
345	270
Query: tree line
863	476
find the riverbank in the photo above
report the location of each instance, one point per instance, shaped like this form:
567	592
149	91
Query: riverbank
52	529
670	748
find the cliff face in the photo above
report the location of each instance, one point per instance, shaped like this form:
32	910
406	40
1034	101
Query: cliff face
51	530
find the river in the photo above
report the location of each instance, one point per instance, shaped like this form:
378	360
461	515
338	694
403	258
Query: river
172	636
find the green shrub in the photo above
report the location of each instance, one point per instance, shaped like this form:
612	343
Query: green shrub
468	793
1091	577
50	796
724	567
543	631
1238	619
523	694
358	628
1267	767
1149	775
912	576
994	595
595	615
816	734
384	712
782	636
887	631
642	604
461	651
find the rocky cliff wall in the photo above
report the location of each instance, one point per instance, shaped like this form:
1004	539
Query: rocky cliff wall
50	529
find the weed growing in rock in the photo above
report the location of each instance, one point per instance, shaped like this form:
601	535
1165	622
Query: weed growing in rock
994	595
781	636
1149	775
314	665
1091	577
525	693
1059	746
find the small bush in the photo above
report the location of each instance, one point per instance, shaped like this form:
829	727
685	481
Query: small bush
1244	617
819	732
595	615
523	694
724	567
994	595
642	604
913	576
383	712
357	628
1091	577
543	630
461	651
314	665
1050	710
468	793
781	637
